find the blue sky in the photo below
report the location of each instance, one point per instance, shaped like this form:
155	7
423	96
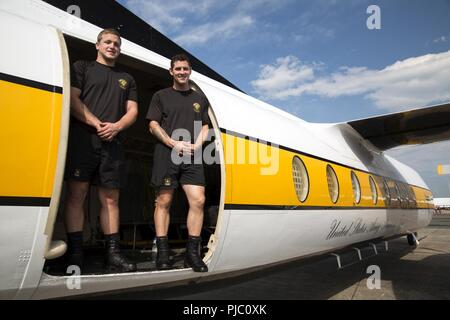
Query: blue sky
318	59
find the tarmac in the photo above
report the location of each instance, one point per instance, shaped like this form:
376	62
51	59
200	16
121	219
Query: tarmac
403	272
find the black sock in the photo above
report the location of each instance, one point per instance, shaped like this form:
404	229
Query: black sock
75	242
112	236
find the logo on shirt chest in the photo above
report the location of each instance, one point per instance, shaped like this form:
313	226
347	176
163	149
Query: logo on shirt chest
123	83
196	107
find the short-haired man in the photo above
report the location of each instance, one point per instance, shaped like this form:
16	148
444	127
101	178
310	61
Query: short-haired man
171	109
103	103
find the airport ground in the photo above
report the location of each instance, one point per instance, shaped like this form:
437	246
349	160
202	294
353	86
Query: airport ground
406	273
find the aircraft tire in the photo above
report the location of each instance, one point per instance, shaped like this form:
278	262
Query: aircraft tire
411	240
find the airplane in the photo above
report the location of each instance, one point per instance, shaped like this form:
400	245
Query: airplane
279	188
441	204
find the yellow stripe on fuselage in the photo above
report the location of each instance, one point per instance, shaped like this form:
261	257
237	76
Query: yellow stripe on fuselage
30	121
258	174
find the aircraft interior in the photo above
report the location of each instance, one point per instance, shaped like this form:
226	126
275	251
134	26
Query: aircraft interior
137	196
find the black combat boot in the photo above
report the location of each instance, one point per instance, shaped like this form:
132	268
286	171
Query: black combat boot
193	258
163	253
74	255
114	260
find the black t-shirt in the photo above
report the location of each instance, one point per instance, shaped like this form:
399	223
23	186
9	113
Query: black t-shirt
104	90
174	109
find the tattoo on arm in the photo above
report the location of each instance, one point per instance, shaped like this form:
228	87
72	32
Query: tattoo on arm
160	133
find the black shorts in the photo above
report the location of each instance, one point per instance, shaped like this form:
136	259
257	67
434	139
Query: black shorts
167	175
92	160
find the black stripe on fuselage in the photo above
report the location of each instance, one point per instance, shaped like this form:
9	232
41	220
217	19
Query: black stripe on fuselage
278	207
246	137
30	83
24	201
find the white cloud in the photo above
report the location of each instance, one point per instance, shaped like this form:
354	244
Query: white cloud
188	22
441	39
408	83
282	77
264	6
313	32
228	28
196	22
169	16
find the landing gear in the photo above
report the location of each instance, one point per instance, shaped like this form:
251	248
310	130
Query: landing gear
412	239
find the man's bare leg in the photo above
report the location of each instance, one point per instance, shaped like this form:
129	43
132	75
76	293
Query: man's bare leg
109	220
74	220
75	196
162	220
196	199
109	213
162	208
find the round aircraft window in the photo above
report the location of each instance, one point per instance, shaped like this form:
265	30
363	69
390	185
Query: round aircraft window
397	190
405	194
373	189
412	196
356	188
333	184
387	193
301	180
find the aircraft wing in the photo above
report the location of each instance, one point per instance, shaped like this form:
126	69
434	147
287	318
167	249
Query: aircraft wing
417	126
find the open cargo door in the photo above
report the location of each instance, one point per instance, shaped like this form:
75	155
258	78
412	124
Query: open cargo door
34	117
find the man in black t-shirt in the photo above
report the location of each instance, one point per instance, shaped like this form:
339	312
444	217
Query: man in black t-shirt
175	112
103	103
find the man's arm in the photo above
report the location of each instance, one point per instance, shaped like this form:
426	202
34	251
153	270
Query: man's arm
161	135
201	137
109	130
79	110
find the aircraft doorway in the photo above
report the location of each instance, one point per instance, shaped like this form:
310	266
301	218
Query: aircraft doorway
137	196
